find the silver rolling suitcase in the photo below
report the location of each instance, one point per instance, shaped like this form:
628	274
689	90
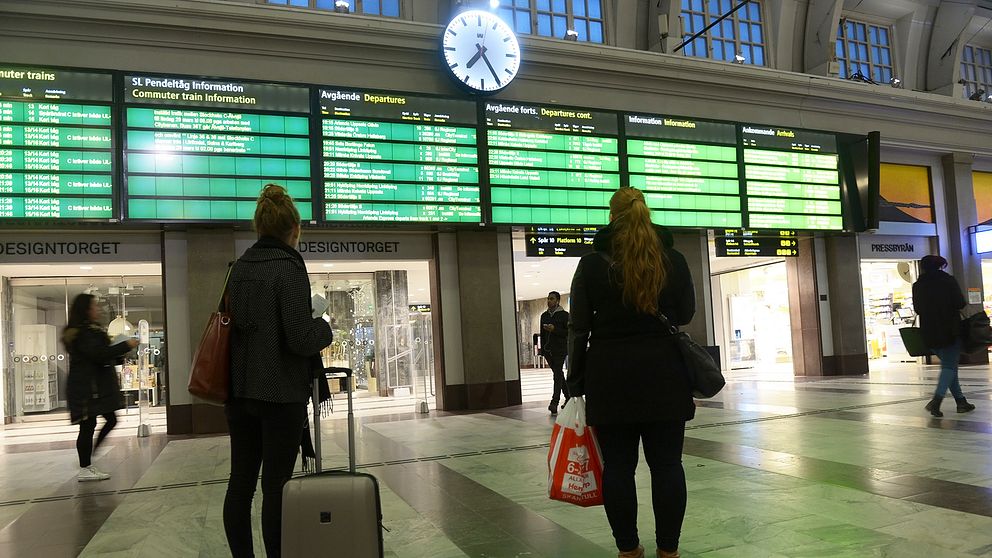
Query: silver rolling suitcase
333	514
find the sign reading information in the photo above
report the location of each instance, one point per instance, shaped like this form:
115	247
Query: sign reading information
56	144
202	150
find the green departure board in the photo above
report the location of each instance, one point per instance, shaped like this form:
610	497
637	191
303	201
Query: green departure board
56	144
687	169
399	158
550	165
791	178
202	150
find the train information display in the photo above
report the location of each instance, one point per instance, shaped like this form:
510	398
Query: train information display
56	144
202	150
399	158
686	168
549	164
792	179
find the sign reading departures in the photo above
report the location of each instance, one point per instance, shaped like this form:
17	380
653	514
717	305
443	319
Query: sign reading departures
200	150
56	144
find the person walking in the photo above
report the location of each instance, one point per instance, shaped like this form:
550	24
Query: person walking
554	345
93	388
937	300
629	368
274	338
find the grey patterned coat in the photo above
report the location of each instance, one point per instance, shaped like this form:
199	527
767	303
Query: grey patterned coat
274	336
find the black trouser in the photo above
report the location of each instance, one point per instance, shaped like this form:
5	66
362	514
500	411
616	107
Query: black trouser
557	364
84	442
663	451
267	436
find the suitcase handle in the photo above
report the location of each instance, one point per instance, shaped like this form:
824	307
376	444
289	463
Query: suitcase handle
346	376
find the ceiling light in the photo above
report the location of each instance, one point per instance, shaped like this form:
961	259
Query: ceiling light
896	83
571	35
86	267
328	265
977	95
493	4
342	7
739	58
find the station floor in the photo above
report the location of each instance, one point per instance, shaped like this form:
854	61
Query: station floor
776	467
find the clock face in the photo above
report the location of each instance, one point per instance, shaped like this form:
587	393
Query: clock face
481	51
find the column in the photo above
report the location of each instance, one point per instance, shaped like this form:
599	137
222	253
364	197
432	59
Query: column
822	17
804	311
695	247
845	307
194	267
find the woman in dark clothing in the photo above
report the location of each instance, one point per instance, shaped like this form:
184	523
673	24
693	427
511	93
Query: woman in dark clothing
93	387
630	369
938	301
273	342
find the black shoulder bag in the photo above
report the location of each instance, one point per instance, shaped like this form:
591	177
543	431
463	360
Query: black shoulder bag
704	374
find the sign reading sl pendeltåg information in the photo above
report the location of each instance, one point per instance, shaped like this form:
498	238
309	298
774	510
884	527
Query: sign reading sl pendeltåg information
202	150
56	144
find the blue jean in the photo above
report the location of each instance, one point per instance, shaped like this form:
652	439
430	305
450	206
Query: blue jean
949	357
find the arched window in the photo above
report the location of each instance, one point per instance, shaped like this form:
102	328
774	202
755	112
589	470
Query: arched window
976	70
389	8
742	33
865	49
553	18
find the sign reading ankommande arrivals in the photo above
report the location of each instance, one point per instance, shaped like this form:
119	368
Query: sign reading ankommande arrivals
357	246
882	247
27	248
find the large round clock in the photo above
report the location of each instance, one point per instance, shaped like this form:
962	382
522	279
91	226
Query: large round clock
480	51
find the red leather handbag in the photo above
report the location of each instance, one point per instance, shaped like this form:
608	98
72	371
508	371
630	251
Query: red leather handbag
210	375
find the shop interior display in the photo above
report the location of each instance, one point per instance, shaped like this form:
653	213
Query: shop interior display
36	364
888	306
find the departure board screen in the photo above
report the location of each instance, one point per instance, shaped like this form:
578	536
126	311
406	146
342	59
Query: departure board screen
202	150
686	168
551	165
399	158
56	144
791	178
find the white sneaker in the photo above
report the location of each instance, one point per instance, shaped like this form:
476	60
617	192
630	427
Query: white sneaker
91	473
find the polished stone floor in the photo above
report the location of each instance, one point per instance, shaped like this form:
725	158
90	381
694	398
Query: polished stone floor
776	467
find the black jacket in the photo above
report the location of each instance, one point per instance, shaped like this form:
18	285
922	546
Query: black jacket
937	299
624	362
93	387
555	343
274	337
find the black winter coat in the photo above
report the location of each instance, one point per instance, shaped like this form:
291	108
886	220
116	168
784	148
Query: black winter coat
555	343
624	362
938	301
93	387
274	338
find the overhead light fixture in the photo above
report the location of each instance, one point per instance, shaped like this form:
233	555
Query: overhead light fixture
896	83
739	58
858	76
342	7
86	267
977	95
962	82
328	265
571	35
493	4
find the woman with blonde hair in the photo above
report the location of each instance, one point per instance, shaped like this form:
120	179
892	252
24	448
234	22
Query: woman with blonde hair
273	339
628	367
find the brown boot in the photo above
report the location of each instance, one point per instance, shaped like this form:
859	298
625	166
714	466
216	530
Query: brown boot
667	554
636	553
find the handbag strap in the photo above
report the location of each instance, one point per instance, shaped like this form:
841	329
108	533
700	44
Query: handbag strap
224	302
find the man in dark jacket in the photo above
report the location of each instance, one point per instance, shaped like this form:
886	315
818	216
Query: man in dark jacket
554	345
938	301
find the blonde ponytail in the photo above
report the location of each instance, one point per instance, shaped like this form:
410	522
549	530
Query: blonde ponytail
276	214
637	250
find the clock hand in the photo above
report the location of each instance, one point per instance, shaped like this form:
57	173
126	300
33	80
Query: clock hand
478	55
486	60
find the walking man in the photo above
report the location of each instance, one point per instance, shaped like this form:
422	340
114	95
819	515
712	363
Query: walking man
554	345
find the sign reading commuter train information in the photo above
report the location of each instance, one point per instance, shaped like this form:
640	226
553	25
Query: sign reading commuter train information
56	144
399	158
549	164
201	150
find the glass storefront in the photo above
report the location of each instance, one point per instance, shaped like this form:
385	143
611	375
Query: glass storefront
987	282
887	295
755	329
35	310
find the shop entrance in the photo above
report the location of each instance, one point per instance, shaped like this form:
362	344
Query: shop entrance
751	313
381	316
887	292
35	300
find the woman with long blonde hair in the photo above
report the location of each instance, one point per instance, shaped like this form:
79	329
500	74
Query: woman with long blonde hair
628	367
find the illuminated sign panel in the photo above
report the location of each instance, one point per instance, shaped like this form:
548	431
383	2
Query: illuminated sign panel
551	165
791	178
686	168
400	158
56	144
202	150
